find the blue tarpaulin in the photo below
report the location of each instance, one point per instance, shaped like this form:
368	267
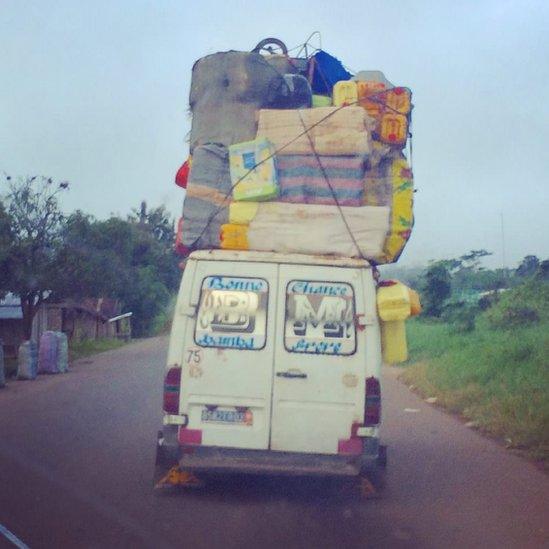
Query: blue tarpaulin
327	71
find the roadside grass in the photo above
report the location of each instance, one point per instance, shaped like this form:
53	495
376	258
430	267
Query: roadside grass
88	347
497	378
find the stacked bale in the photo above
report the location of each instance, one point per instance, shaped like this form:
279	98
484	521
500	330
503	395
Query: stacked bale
53	353
27	360
271	173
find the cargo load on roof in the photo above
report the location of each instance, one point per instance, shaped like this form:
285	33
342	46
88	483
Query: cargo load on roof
296	155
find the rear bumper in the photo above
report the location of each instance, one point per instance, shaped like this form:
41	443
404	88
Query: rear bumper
261	462
221	460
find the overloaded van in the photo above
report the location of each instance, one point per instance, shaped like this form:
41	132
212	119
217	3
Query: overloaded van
273	367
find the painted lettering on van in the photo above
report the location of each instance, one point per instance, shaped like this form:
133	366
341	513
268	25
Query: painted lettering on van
230	311
231	342
318	288
240	284
331	309
316	347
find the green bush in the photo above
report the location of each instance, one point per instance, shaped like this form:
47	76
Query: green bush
521	306
460	316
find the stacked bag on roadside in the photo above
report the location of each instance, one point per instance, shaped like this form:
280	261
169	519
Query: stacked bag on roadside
271	171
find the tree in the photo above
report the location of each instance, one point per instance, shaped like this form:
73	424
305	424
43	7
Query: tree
35	223
6	239
472	259
158	221
543	270
126	259
528	266
436	288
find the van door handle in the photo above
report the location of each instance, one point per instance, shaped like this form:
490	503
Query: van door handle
292	374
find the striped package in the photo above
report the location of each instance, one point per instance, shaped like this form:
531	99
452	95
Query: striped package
328	180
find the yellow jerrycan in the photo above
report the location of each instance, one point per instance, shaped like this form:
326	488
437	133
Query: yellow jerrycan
345	93
234	237
370	97
395	303
393	129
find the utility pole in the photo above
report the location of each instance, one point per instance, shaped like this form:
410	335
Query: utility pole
503	262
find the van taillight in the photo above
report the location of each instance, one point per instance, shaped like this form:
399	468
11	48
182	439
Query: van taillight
372	405
172	384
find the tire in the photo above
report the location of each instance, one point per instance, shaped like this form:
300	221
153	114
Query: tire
267	41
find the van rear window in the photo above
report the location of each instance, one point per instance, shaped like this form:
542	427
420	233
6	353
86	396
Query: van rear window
232	313
320	318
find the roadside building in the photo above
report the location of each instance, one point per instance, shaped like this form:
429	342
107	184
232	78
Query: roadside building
85	319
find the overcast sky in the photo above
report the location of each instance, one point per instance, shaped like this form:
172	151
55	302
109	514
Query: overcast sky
96	93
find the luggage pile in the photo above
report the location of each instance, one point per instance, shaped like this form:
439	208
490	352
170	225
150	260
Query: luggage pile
296	155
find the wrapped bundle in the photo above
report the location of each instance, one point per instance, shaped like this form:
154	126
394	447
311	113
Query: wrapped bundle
48	353
311	229
206	204
27	360
402	217
253	171
302	179
378	190
227	89
333	131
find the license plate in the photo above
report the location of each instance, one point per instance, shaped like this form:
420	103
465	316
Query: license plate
227	416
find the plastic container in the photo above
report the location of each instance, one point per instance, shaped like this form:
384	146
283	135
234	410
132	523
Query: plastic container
393	129
242	213
182	175
322	101
27	360
393	301
402	215
398	100
234	237
345	93
415	304
253	171
370	98
394	347
394	306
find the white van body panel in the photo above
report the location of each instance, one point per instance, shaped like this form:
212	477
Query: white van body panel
307	415
225	377
312	414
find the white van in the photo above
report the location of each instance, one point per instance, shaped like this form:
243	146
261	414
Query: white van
273	366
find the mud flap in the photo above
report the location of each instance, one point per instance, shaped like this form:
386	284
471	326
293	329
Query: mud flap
175	478
167	473
372	480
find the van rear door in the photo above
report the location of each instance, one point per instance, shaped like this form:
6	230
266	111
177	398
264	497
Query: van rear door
228	353
318	387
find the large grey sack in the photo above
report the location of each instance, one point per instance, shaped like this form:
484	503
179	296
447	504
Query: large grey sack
63	352
27	360
227	89
207	198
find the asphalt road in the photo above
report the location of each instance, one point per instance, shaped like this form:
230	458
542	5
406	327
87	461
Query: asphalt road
77	452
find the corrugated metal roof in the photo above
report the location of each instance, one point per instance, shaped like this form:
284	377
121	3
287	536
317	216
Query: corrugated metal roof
10	308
